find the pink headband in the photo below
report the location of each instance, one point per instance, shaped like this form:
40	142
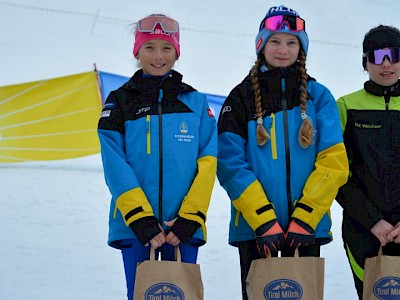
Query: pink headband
157	33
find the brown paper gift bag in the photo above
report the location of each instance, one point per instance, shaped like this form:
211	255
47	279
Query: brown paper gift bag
382	277
286	278
175	280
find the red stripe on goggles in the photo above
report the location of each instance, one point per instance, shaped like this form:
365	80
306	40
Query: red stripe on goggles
149	24
378	56
293	23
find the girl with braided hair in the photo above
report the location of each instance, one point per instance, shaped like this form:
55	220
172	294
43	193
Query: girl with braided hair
281	156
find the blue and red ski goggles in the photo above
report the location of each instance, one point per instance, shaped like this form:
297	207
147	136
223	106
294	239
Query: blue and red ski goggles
275	23
377	57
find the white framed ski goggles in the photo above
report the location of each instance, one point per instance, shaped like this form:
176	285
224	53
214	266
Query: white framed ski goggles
149	23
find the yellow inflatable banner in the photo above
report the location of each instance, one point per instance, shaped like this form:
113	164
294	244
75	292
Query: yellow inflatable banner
50	119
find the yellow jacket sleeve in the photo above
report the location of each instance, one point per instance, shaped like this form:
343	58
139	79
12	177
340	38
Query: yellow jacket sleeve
254	206
134	205
195	205
331	172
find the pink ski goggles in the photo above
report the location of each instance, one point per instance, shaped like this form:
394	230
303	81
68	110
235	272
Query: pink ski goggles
275	23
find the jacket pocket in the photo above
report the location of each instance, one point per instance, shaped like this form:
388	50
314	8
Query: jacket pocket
115	212
320	183
237	216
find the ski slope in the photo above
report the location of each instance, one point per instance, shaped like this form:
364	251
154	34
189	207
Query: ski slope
53	216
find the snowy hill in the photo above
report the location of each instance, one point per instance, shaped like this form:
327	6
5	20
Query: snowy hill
53	216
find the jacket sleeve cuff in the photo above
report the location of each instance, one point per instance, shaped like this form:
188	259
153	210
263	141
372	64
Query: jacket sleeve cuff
145	229
308	213
184	229
254	206
134	205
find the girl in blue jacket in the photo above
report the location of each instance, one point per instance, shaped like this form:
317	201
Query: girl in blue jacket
158	141
281	156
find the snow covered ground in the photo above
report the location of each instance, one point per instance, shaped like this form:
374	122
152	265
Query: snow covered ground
53	215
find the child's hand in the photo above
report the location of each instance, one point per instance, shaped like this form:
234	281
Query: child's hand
381	230
171	238
394	235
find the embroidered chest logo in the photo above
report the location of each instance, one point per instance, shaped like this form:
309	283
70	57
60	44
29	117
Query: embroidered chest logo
367	125
183	128
184	136
142	110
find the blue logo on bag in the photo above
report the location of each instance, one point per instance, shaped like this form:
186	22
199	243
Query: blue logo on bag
164	291
387	288
283	289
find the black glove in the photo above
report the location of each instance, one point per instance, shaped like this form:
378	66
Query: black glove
184	229
145	228
270	238
299	234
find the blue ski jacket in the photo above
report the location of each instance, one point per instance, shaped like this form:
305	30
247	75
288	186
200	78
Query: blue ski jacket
280	180
158	142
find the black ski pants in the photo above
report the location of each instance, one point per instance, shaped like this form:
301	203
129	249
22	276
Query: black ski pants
359	244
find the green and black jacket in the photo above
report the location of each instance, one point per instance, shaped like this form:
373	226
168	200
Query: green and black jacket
370	120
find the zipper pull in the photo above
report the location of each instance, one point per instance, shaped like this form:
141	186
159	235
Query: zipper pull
283	85
147	123
160	95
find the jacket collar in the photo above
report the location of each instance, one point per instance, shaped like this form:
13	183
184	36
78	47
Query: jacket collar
380	90
172	83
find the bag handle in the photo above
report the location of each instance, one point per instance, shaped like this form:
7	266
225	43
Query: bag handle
178	256
152	253
296	253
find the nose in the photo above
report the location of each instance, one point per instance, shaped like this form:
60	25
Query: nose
282	48
158	53
386	61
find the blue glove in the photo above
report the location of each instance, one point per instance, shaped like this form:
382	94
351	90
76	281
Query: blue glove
270	238
299	234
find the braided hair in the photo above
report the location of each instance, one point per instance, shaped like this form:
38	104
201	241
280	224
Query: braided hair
262	134
306	132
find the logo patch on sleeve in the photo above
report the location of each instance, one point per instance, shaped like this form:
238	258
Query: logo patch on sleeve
105	113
